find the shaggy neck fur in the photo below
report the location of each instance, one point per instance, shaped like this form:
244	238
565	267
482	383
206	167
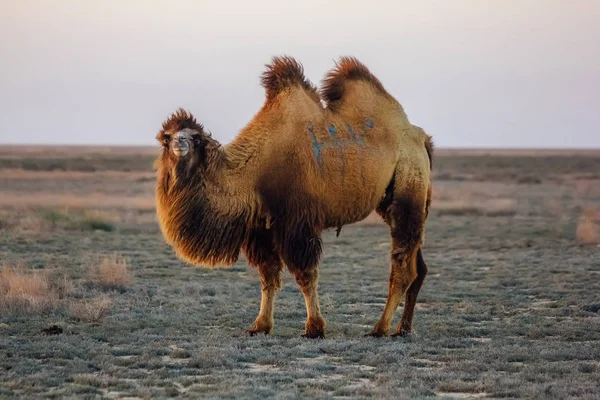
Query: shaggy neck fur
195	210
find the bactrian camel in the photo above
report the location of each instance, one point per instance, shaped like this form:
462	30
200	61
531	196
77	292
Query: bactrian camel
308	161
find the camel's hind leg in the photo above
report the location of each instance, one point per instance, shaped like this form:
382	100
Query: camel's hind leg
260	252
405	325
406	218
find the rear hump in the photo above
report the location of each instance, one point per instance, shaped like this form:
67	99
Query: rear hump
346	69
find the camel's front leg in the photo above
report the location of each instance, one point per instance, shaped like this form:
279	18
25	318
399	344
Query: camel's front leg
308	281
270	276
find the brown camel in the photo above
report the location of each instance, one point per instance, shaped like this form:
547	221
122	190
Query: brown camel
296	169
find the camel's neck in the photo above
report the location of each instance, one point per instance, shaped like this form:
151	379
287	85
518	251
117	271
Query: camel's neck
201	213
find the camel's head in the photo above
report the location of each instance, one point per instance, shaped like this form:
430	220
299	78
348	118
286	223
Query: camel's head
182	138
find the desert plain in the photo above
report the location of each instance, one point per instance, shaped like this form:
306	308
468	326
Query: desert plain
94	304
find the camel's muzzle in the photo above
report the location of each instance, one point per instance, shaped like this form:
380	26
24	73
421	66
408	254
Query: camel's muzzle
180	145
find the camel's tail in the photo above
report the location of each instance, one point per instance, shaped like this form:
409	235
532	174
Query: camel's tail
429	149
428	143
282	73
347	69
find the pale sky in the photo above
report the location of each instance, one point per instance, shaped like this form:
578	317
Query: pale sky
472	73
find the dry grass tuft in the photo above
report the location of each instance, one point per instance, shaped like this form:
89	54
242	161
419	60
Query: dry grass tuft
112	272
588	227
33	224
90	310
26	292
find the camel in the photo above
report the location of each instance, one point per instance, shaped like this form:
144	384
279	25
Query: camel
298	168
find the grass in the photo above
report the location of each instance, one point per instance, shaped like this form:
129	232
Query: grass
470	206
588	227
76	221
25	292
50	291
90	310
510	308
111	272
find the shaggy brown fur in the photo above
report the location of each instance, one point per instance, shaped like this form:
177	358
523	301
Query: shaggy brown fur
348	68
283	73
297	169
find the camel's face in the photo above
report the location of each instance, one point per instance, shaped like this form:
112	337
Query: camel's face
183	143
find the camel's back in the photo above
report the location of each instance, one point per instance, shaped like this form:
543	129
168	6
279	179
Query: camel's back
343	159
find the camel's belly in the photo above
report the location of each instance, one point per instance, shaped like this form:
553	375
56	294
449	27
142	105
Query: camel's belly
353	181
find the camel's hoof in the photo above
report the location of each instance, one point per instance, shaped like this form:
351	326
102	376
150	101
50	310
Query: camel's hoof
253	332
314	335
256	330
314	329
402	334
260	326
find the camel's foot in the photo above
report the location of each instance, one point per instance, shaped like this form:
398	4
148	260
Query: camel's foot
404	330
379	330
261	325
315	328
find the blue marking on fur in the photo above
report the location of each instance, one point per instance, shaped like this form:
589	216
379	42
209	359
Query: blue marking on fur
316	146
331	130
356	139
339	143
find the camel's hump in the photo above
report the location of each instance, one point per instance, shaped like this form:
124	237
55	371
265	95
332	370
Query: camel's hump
346	69
284	72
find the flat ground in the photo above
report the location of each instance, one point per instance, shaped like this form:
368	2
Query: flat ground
510	308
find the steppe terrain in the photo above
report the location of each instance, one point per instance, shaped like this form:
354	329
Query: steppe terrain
94	304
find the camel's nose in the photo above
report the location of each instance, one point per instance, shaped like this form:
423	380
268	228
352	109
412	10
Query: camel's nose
181	139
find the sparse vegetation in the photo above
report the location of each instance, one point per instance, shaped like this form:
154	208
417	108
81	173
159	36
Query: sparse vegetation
111	272
76	221
588	227
26	292
90	310
38	292
510	308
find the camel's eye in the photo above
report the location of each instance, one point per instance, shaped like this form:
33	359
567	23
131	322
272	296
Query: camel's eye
165	139
196	139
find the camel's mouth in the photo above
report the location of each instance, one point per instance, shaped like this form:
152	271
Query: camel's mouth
180	145
180	151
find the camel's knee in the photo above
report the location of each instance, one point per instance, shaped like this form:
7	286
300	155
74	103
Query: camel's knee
306	278
403	275
270	276
407	222
421	265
